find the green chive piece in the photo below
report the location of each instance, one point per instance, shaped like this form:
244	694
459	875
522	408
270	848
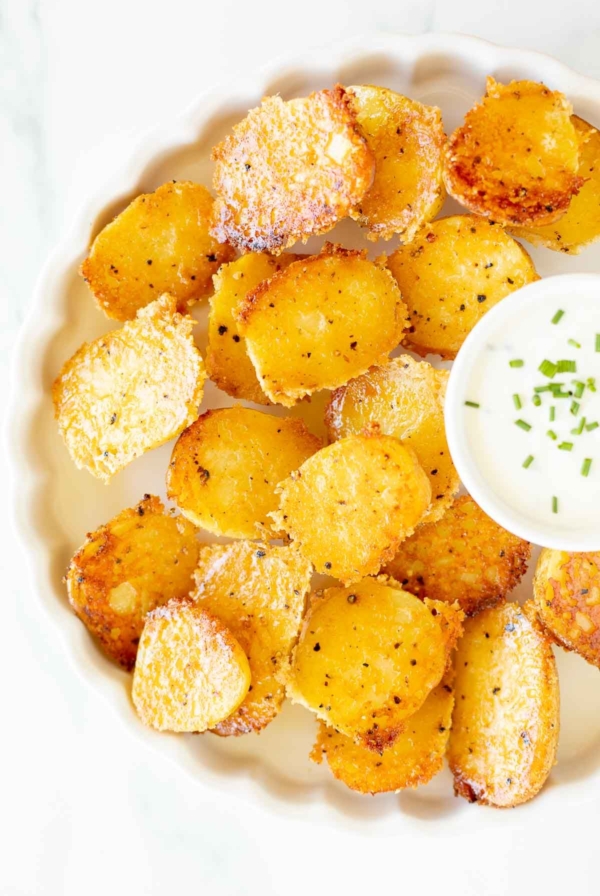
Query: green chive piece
580	428
591	384
566	366
543	388
552	435
548	368
522	424
516	363
575	408
565	446
591	426
536	400
559	314
528	461
579	389
586	466
471	404
574	343
554	504
598	342
517	402
552	414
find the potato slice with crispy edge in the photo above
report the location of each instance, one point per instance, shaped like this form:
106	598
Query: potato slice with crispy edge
159	243
131	390
320	322
515	158
259	592
415	757
369	655
127	567
226	466
350	505
580	224
403	398
506	716
566	589
464	557
191	673
290	170
227	361
408	142
452	273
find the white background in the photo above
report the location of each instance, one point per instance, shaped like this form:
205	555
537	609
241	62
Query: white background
84	809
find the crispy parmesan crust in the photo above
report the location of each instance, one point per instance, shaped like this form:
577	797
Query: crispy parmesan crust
516	157
289	170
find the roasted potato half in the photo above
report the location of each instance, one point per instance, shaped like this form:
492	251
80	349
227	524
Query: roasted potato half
349	506
131	390
321	321
258	591
191	673
403	398
368	657
225	468
567	598
506	716
408	141
290	170
464	557
134	563
159	243
227	361
414	758
580	224
516	157
451	274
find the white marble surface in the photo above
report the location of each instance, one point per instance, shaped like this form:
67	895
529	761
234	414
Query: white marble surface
83	808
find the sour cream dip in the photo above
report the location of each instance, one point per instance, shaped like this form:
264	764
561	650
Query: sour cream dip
523	412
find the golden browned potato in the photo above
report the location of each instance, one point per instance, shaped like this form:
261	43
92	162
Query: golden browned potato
225	468
408	141
320	322
131	390
290	170
159	243
227	361
191	673
134	563
580	224
516	157
414	758
567	598
350	505
451	274
258	591
369	655
464	557
506	715
403	398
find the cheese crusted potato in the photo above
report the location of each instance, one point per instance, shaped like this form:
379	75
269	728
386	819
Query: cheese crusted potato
506	715
289	170
159	243
451	274
226	466
134	563
131	390
258	591
321	321
348	507
464	557
580	224
515	159
403	398
567	598
227	361
368	657
415	757
408	142
191	673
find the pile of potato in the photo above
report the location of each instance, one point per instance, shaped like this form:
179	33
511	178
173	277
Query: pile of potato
410	652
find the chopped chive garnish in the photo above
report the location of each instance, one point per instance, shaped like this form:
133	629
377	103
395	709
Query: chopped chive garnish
552	414
591	426
559	314
536	400
528	461
516	363
552	435
579	389
565	446
548	368
522	424
574	343
598	342
580	428
575	408
542	389
471	404
517	402
591	384
554	504
566	367
586	466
